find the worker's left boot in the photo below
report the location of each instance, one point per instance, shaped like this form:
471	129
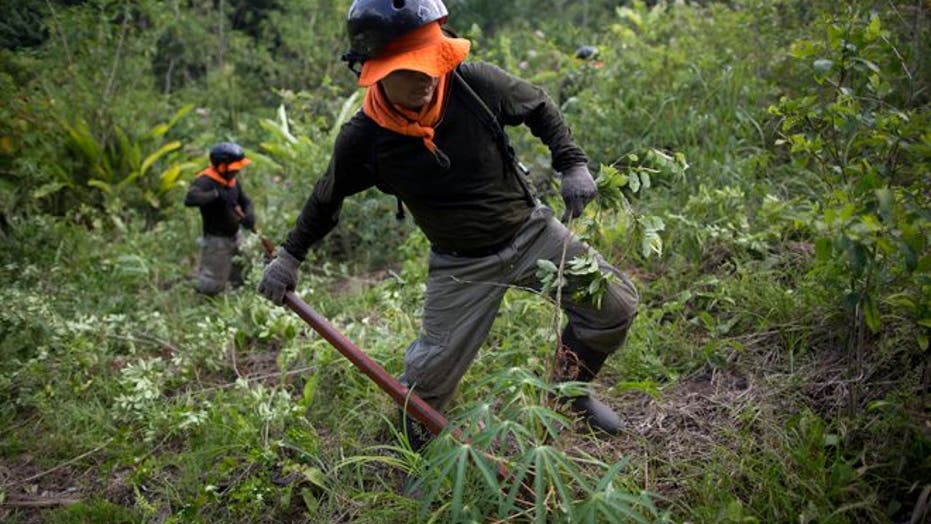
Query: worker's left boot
599	415
581	364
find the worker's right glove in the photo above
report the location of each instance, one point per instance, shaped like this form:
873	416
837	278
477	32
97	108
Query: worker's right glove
279	277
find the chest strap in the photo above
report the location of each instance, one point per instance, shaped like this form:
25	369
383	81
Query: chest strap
487	117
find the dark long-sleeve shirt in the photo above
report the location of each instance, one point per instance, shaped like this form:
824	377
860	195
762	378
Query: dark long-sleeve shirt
218	204
477	200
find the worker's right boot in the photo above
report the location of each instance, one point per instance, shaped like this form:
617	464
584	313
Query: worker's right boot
416	433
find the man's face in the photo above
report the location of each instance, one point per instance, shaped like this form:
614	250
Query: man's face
409	89
226	172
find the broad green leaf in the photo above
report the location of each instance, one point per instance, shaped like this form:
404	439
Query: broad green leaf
901	300
181	113
802	49
160	130
169	177
870	65
651	244
101	185
823	66
47	189
162	151
547	265
310	501
874	29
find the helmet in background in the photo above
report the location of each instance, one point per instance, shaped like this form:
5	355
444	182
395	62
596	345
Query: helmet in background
586	52
228	154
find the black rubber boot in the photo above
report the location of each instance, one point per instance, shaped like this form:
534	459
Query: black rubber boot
416	433
581	364
599	415
418	436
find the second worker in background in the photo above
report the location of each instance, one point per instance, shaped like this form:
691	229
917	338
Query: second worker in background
224	207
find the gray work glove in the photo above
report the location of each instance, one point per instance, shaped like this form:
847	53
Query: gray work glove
279	277
578	189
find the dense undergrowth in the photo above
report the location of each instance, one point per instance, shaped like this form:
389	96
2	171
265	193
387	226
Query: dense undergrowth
764	174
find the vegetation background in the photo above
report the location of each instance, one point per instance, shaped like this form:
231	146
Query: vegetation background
764	177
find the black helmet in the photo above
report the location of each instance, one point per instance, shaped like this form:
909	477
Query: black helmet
373	23
586	51
226	153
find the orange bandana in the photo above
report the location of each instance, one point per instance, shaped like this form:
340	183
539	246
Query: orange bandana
210	172
404	121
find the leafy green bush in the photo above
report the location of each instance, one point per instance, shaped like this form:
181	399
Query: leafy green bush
119	167
858	129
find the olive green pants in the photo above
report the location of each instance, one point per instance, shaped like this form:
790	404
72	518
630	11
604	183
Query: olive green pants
463	296
219	264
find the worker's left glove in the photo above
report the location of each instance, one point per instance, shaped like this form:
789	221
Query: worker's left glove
578	189
280	276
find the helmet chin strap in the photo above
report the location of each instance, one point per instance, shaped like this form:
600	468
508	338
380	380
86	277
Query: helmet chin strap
352	60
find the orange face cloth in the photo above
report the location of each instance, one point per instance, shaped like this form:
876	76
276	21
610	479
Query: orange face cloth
211	173
426	50
405	121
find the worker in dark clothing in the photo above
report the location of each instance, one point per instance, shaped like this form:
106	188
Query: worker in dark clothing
430	132
224	207
585	66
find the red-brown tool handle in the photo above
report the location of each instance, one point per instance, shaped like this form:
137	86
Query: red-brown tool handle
432	419
415	406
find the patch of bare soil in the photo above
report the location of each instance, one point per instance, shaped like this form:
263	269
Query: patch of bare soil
30	491
682	425
683	422
716	407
